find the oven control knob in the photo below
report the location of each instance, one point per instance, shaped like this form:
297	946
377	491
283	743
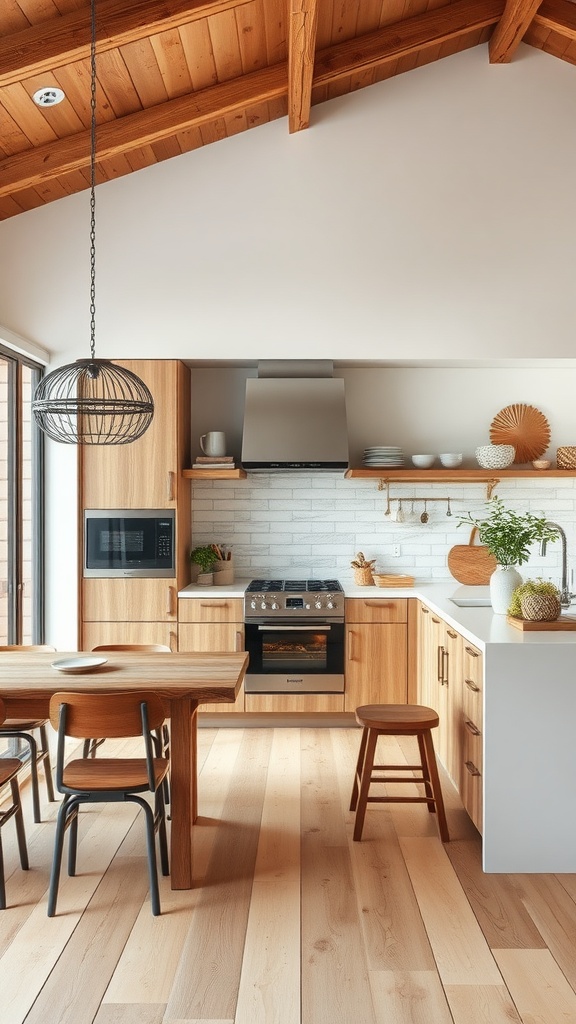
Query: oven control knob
318	604
252	604
263	606
330	604
307	606
274	606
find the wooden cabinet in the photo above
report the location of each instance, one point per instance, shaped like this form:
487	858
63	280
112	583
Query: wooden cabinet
450	681
472	729
376	656
144	474
212	624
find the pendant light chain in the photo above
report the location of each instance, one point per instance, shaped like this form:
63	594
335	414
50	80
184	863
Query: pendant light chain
93	401
93	180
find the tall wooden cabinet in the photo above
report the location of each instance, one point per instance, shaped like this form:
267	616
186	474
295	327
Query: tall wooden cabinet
144	474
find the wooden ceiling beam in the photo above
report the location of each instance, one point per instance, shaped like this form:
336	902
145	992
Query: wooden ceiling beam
509	32
405	37
32	167
51	44
303	24
558	15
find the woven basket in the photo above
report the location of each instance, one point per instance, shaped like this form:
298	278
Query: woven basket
540	607
363	577
566	457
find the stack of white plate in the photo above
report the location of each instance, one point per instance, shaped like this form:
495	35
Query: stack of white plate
383	456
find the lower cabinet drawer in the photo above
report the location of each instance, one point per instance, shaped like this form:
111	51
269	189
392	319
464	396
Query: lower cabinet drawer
471	774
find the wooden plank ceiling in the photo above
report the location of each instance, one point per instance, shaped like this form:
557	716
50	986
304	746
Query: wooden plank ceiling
174	75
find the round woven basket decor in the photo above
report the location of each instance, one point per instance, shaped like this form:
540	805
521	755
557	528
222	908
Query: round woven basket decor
566	457
523	426
540	607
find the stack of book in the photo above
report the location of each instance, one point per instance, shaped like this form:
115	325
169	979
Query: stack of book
214	462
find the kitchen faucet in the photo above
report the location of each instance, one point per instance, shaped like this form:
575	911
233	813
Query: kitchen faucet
565	595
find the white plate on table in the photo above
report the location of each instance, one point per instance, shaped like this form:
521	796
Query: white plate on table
83	663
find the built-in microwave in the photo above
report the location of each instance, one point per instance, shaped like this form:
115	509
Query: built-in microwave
129	542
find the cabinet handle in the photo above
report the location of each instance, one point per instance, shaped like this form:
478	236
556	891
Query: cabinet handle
170	482
213	604
445	663
350	641
239	641
471	652
440	664
170	601
435	620
451	634
471	727
471	767
472	685
173	641
379	604
425	611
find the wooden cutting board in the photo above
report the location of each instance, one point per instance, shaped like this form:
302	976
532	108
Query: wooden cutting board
471	563
564	622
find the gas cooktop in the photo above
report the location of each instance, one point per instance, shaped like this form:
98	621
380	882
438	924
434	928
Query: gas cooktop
300	586
294	599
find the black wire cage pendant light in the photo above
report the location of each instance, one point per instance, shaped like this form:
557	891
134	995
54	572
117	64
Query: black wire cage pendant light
93	401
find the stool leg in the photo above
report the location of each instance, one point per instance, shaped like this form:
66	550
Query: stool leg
358	772
426	775
436	788
365	783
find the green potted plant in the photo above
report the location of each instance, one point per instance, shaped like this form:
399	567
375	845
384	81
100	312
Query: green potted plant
508	535
536	600
204	557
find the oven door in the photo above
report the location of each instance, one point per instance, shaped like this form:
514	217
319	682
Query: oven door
292	657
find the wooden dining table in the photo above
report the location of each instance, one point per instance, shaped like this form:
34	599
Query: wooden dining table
183	681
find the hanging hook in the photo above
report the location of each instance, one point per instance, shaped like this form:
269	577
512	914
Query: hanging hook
448	509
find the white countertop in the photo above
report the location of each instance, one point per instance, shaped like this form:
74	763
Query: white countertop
479	625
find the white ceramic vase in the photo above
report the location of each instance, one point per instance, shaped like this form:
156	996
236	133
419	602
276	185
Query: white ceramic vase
503	583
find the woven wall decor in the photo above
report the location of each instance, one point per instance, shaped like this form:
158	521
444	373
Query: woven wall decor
523	426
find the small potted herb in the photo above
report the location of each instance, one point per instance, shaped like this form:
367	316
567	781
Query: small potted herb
204	558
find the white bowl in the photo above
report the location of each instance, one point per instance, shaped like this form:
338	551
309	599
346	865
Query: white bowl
423	461
495	456
450	460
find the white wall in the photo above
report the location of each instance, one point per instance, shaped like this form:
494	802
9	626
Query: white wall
429	216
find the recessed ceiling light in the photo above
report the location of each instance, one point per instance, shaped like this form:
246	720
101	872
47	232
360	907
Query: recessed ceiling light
48	97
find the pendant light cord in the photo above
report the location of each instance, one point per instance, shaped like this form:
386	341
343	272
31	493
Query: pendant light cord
93	180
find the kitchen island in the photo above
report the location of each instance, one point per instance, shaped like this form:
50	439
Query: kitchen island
529	752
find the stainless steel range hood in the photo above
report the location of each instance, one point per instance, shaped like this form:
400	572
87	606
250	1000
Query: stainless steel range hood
295	418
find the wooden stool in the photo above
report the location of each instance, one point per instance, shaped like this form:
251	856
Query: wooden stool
397	720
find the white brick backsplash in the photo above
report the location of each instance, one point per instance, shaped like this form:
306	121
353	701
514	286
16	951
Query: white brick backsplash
313	525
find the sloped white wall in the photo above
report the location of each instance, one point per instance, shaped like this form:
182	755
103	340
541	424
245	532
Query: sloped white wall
430	216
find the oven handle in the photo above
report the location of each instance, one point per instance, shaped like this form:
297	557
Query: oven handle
299	629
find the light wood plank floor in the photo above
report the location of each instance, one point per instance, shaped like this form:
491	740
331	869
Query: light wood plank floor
290	921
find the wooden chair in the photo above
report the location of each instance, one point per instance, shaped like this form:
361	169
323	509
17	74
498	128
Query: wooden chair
23	729
163	737
105	779
397	720
9	769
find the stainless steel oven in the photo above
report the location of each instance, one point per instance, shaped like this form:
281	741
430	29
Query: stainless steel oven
294	633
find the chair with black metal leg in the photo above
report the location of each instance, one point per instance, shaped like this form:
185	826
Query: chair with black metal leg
23	729
9	770
109	779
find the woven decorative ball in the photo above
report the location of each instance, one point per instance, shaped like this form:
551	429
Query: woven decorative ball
566	457
540	607
363	577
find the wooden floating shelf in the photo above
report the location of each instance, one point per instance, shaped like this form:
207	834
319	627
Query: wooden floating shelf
454	475
214	474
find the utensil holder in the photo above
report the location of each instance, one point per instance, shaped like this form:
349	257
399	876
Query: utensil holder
223	572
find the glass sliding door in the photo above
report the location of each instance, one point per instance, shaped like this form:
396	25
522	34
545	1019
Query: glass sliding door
21	504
